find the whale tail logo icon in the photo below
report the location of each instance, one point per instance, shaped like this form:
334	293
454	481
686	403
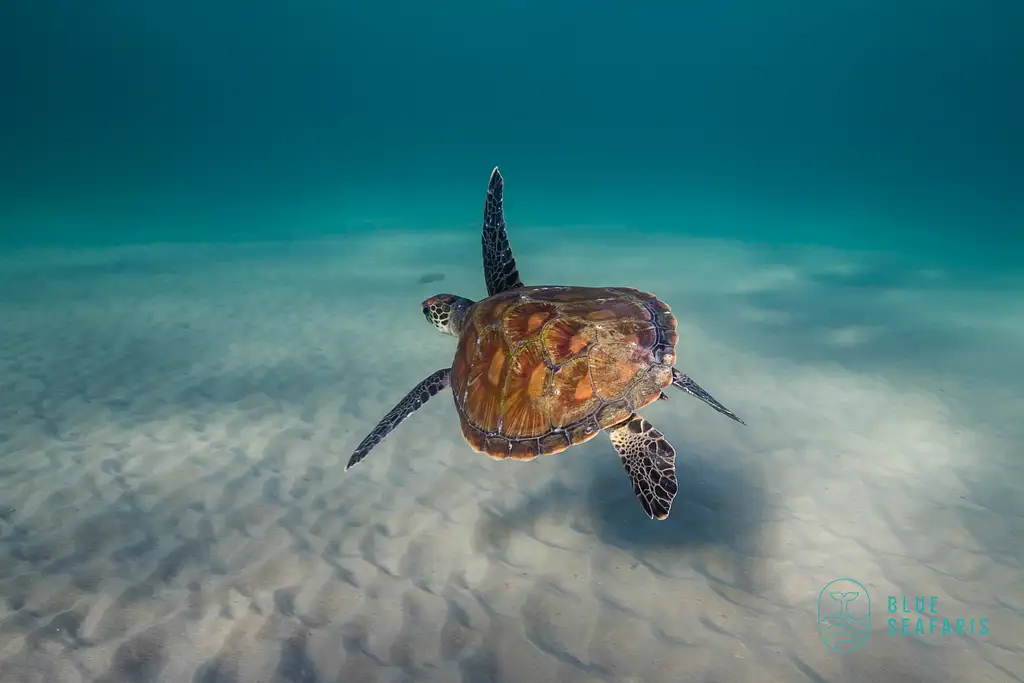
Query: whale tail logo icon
844	599
844	615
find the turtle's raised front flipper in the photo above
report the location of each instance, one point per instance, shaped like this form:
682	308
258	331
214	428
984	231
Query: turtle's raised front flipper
441	379
500	270
693	389
650	461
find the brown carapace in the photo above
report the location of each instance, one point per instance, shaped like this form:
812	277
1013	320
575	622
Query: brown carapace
540	369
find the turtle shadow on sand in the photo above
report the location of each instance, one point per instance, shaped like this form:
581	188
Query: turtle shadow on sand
720	505
716	505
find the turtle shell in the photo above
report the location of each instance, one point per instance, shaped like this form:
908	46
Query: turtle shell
540	369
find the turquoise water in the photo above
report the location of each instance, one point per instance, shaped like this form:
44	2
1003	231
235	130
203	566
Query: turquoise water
217	222
122	122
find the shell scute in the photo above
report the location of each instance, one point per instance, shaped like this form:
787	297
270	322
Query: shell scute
636	332
524	449
494	310
485	377
572	395
555	442
583	432
613	413
607	308
569	294
523	413
525	321
567	338
614	367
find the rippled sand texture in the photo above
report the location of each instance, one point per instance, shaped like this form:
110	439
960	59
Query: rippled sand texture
174	422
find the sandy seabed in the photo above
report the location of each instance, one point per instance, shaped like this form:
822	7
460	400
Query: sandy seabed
174	421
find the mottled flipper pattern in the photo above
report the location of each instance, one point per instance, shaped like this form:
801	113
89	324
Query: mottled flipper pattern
685	383
500	270
650	461
441	379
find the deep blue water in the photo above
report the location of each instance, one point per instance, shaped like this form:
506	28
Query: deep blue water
850	123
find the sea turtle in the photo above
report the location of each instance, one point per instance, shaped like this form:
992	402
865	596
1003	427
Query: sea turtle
540	369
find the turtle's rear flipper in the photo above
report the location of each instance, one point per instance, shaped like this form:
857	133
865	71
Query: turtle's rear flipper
500	270
650	462
693	389
441	379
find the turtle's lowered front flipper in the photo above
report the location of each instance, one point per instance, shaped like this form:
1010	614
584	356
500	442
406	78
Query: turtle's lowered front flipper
422	392
685	383
650	462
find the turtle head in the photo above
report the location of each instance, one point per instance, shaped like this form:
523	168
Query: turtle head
447	312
